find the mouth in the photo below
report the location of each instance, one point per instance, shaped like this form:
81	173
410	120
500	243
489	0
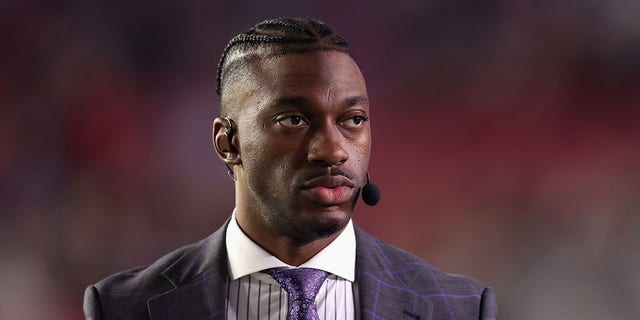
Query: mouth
329	189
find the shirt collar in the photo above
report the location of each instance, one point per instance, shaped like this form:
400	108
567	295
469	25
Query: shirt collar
246	257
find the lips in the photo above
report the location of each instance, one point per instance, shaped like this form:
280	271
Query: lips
329	189
329	181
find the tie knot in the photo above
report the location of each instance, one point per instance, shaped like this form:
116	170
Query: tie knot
300	283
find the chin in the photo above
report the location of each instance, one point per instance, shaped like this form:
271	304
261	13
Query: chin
327	231
311	222
329	224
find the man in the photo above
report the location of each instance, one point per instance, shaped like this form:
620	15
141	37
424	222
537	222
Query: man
294	131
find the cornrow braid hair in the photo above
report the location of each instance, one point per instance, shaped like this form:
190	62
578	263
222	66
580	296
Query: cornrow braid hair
277	37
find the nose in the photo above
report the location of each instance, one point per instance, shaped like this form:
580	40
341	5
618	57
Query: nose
326	147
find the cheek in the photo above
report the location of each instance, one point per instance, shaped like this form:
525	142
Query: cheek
362	148
266	164
360	155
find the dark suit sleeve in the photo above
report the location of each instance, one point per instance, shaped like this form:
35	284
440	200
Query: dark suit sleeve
488	305
91	306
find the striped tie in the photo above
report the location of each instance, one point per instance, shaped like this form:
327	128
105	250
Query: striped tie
301	285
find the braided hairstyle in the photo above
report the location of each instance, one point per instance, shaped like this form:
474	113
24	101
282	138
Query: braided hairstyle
272	38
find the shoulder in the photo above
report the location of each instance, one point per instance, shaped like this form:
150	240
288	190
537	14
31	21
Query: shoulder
398	270
402	265
141	277
125	294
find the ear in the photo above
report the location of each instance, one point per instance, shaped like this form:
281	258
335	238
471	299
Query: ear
225	141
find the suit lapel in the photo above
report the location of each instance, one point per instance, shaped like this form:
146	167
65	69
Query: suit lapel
199	279
384	286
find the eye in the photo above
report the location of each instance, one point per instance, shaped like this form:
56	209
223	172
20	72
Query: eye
292	121
355	121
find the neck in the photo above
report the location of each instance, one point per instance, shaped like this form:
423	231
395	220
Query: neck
297	254
291	251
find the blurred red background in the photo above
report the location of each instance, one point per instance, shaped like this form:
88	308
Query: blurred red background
506	142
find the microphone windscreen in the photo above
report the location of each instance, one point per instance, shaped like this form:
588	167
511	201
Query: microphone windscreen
370	194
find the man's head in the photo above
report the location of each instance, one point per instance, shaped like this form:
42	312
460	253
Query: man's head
301	140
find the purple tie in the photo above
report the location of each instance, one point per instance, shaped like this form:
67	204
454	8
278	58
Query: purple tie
302	285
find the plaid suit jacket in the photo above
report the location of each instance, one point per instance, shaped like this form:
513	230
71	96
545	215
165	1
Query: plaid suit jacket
190	283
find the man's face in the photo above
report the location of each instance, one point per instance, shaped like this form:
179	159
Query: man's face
304	142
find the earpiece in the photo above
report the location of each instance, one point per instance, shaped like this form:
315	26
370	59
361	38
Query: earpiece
230	130
229	134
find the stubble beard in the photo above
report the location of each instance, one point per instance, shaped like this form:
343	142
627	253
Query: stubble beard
301	227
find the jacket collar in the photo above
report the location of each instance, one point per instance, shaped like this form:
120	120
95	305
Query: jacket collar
200	276
384	283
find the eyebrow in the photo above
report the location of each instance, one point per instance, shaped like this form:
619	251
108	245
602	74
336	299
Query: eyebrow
291	100
353	101
302	101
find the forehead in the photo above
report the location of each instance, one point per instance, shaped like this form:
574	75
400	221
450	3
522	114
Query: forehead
317	66
327	74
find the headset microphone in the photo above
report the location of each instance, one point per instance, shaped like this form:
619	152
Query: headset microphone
370	193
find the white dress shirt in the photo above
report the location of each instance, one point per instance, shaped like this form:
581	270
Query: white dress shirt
252	294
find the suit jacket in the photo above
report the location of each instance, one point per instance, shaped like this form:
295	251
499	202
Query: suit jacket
190	283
